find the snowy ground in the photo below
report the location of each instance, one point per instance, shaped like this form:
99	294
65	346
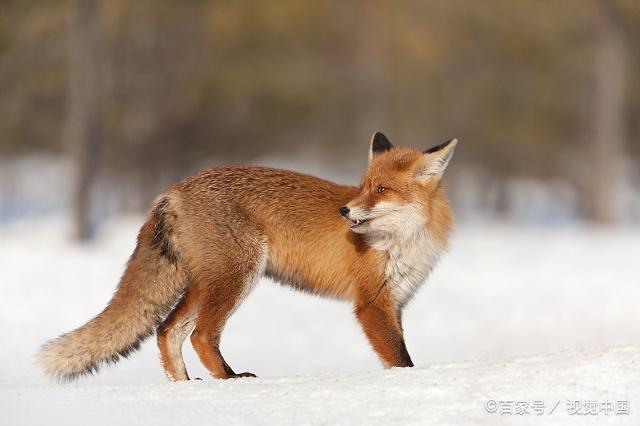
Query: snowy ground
504	296
466	393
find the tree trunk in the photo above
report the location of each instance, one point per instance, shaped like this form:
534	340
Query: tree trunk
373	69
606	145
82	117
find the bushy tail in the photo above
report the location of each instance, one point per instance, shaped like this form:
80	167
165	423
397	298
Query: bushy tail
152	282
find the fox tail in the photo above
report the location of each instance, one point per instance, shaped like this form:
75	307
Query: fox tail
153	280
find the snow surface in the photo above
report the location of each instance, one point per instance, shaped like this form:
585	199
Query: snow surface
504	296
438	394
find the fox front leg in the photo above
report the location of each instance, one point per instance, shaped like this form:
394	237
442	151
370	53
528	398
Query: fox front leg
380	321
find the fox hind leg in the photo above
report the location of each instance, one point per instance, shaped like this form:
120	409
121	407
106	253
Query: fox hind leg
173	332
223	291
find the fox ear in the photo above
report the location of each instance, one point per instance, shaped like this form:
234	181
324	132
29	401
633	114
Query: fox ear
379	145
435	160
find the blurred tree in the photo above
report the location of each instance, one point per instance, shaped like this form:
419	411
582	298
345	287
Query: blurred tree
82	129
33	75
372	70
603	182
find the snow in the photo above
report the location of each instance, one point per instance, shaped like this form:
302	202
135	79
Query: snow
438	394
518	314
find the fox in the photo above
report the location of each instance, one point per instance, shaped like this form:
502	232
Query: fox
209	239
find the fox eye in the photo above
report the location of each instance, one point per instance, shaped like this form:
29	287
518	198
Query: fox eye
380	189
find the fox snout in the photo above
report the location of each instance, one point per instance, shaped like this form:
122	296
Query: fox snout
353	222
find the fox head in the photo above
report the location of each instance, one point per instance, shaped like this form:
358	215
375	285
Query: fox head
399	188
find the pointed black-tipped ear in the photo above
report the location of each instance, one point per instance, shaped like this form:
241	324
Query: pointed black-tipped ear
379	144
436	159
437	148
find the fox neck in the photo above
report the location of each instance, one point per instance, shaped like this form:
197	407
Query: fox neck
412	253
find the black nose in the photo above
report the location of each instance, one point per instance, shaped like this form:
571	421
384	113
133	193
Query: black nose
344	211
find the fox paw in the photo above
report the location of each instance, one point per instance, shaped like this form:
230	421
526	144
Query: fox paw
245	374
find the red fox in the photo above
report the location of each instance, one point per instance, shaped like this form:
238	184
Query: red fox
209	238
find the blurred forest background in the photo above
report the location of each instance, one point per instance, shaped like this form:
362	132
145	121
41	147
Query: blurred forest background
105	103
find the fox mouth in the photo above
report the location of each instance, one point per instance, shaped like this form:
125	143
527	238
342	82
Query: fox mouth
356	223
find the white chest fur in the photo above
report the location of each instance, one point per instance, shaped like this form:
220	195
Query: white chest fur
412	256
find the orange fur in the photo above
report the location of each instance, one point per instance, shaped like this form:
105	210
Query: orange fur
226	227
